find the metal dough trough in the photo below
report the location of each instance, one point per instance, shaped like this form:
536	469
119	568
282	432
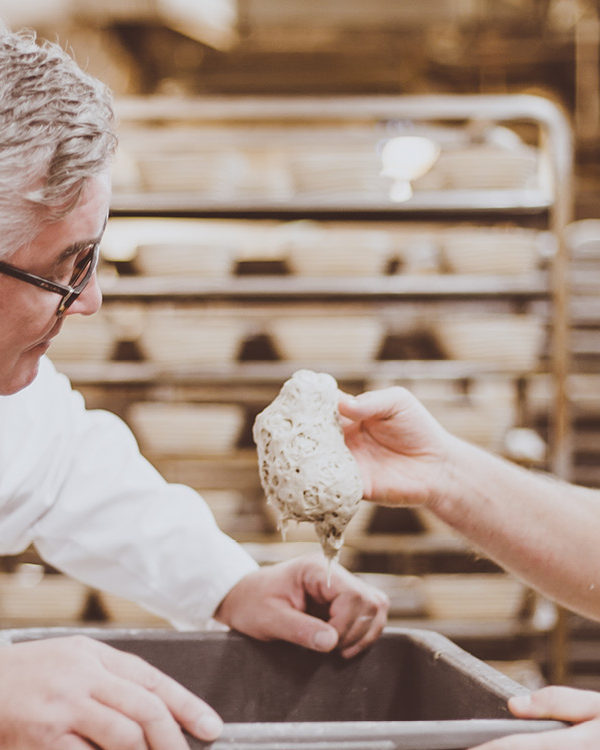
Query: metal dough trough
412	690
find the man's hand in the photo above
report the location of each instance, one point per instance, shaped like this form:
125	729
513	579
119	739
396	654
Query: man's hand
273	603
75	693
402	451
581	707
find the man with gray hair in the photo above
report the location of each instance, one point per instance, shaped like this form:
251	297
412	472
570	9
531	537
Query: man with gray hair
72	481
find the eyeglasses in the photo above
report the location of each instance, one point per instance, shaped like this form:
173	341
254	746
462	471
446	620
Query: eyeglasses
84	270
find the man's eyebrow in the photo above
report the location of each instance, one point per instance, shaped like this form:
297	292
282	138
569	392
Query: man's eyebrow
77	247
73	249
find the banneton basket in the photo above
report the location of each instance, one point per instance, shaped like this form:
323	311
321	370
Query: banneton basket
221	170
122	9
225	505
173	429
491	251
583	239
124	613
411	690
482	167
484	424
86	338
170	246
514	341
204	173
474	596
347	172
184	258
29	597
348	339
191	336
126	319
314	251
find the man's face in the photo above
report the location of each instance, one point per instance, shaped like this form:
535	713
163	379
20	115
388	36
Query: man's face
28	319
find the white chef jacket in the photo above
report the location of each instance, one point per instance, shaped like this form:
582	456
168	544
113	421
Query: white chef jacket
73	483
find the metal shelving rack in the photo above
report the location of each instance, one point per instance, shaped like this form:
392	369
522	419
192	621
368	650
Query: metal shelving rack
547	206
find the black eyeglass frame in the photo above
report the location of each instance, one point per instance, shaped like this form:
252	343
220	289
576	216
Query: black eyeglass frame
68	292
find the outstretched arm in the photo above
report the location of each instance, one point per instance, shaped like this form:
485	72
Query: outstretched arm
544	531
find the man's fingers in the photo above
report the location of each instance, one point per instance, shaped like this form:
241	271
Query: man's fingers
582	737
106	727
355	647
282	622
382	403
360	638
563	703
190	711
541	741
359	618
347	405
581	707
158	727
72	742
358	612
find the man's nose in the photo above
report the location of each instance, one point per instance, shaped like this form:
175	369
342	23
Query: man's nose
89	301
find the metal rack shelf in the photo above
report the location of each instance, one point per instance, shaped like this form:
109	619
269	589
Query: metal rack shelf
282	287
497	202
274	373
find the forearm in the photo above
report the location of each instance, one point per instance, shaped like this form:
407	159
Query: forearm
118	526
544	531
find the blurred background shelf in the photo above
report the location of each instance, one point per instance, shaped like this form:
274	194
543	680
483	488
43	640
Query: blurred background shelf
263	130
499	202
219	292
273	372
241	288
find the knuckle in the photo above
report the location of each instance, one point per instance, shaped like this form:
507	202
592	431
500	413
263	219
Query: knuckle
41	730
375	602
550	691
547	696
383	602
78	709
150	678
140	670
357	599
130	737
314	569
400	392
371	610
154	709
79	641
66	742
189	709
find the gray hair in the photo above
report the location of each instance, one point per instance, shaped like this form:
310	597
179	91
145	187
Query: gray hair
56	131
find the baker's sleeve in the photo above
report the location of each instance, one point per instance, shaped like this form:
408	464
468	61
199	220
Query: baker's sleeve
117	525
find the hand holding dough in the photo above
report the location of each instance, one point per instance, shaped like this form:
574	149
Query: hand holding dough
306	470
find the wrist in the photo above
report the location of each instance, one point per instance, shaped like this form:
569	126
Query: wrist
457	478
222	613
233	602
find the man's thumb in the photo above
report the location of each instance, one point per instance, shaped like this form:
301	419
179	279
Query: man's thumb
305	630
324	639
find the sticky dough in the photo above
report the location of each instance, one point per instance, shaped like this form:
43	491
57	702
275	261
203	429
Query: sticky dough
306	470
